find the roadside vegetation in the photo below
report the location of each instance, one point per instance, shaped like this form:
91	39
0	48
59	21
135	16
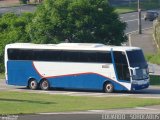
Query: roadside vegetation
124	9
24	103
153	58
155	80
2	76
156	33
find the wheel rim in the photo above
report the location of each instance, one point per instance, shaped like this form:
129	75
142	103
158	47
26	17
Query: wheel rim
33	84
109	87
44	85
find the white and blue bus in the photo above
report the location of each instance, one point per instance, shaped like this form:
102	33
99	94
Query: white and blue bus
76	66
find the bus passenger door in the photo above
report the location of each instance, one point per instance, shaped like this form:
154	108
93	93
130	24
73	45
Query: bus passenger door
121	68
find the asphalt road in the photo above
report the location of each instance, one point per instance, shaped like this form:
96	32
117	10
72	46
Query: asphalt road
18	10
132	21
101	115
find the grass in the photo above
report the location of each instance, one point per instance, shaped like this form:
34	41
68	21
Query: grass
124	9
25	103
2	76
153	58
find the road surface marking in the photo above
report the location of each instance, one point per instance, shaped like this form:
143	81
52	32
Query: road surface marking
133	20
133	15
144	108
158	97
137	30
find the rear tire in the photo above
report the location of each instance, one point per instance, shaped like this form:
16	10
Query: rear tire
108	88
33	85
44	85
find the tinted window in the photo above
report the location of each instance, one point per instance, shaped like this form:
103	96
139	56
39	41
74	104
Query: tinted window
120	57
121	66
136	58
39	55
104	57
59	55
12	54
70	56
88	56
46	55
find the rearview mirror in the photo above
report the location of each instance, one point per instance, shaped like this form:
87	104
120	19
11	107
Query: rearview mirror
133	69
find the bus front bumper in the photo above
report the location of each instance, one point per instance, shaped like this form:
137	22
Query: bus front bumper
140	85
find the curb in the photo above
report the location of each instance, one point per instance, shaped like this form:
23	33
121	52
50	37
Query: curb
137	30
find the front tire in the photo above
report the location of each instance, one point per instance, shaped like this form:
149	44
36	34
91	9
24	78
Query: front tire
108	88
33	85
44	85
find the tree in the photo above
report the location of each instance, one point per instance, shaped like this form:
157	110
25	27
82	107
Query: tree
23	1
92	21
12	29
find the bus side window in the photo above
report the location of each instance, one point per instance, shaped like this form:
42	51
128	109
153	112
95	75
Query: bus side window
104	57
121	65
12	54
89	56
70	56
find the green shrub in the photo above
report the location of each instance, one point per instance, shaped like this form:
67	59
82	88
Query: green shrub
154	80
23	1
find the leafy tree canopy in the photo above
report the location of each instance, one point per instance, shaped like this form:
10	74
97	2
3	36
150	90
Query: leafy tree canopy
92	21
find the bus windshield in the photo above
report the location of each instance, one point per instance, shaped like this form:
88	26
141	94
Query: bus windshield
138	63
136	59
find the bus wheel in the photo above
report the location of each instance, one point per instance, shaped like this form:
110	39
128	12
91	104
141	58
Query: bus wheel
33	85
44	85
108	88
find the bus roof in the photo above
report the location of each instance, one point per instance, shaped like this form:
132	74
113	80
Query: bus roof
71	46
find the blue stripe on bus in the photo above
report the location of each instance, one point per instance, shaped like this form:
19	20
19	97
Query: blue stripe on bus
20	71
83	81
